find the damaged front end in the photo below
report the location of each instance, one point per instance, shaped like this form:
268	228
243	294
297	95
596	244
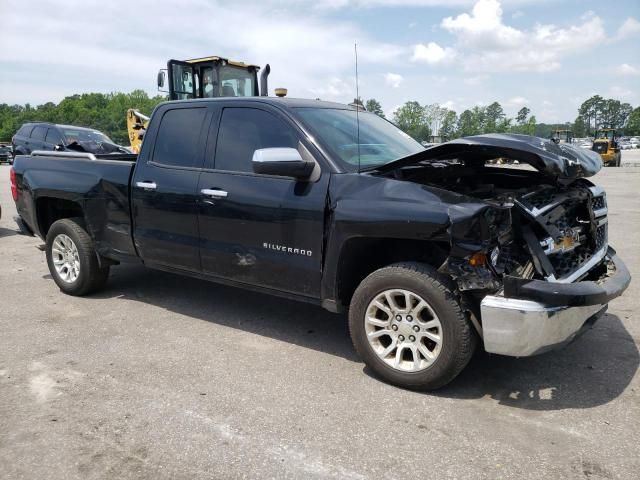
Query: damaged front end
528	250
551	233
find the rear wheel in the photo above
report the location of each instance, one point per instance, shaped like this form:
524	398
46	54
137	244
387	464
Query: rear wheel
72	259
408	327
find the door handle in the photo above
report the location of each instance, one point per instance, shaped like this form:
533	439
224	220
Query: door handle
147	185
216	193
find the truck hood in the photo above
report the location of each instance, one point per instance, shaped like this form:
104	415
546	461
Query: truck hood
557	160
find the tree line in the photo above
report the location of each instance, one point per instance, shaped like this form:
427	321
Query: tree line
106	112
424	122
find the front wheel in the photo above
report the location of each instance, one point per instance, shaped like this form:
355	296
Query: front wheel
72	259
408	327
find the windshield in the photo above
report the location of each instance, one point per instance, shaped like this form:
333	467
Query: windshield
77	135
605	134
380	141
236	82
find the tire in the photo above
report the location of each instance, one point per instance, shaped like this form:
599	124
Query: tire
81	274
448	323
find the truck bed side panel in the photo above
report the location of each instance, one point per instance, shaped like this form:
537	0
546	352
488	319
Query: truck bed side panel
100	187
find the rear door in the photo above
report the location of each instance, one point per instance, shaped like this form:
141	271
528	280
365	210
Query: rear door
259	229
37	138
164	188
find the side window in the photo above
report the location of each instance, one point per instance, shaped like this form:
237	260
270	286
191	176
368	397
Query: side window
25	130
177	140
53	137
39	133
245	130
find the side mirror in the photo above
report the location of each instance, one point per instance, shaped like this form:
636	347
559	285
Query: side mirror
161	79
284	162
59	147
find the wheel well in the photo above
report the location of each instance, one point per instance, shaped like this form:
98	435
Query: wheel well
361	256
49	210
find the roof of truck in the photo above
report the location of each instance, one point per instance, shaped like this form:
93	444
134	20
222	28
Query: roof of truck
286	102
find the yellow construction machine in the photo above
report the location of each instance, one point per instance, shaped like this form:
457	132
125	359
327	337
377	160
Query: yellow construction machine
136	127
562	136
213	76
606	144
205	77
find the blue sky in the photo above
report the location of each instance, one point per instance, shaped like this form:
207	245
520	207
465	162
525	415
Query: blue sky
548	55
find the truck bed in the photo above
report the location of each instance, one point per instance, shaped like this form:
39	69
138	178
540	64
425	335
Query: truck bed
99	184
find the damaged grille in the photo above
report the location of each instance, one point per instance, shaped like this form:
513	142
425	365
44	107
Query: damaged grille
571	228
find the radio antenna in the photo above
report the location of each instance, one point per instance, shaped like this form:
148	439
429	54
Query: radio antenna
357	102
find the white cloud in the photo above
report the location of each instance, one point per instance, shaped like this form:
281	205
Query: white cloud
547	103
626	69
517	102
449	105
335	88
339	4
491	45
475	80
120	52
629	28
431	53
393	79
621	93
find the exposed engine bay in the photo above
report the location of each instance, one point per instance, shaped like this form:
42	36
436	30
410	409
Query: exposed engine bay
517	223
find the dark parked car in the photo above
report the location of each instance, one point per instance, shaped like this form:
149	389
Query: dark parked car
6	154
431	251
48	136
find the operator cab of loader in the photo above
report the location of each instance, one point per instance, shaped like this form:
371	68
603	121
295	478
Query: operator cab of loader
562	136
211	77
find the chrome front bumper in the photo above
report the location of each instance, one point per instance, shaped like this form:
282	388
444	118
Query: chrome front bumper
535	316
521	328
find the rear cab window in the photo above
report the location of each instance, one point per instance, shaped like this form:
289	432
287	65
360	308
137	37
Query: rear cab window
178	139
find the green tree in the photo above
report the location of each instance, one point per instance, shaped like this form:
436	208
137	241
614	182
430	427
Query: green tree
591	110
633	123
466	124
579	127
448	128
523	114
494	115
104	112
374	106
410	118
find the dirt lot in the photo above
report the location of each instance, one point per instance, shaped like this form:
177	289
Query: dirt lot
161	376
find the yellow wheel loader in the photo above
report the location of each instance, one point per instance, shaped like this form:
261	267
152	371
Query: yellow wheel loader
205	77
562	136
606	144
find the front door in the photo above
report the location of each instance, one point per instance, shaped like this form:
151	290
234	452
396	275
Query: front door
258	229
164	188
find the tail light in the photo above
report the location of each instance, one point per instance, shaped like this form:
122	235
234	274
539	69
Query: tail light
14	185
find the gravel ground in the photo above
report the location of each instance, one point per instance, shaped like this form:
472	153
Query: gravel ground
161	376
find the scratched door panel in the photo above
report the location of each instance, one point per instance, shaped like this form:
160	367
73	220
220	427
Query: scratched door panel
267	231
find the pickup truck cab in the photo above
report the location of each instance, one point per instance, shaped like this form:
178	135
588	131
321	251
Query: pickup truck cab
431	251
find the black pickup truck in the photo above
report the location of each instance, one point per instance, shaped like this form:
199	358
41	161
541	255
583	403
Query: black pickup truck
431	251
